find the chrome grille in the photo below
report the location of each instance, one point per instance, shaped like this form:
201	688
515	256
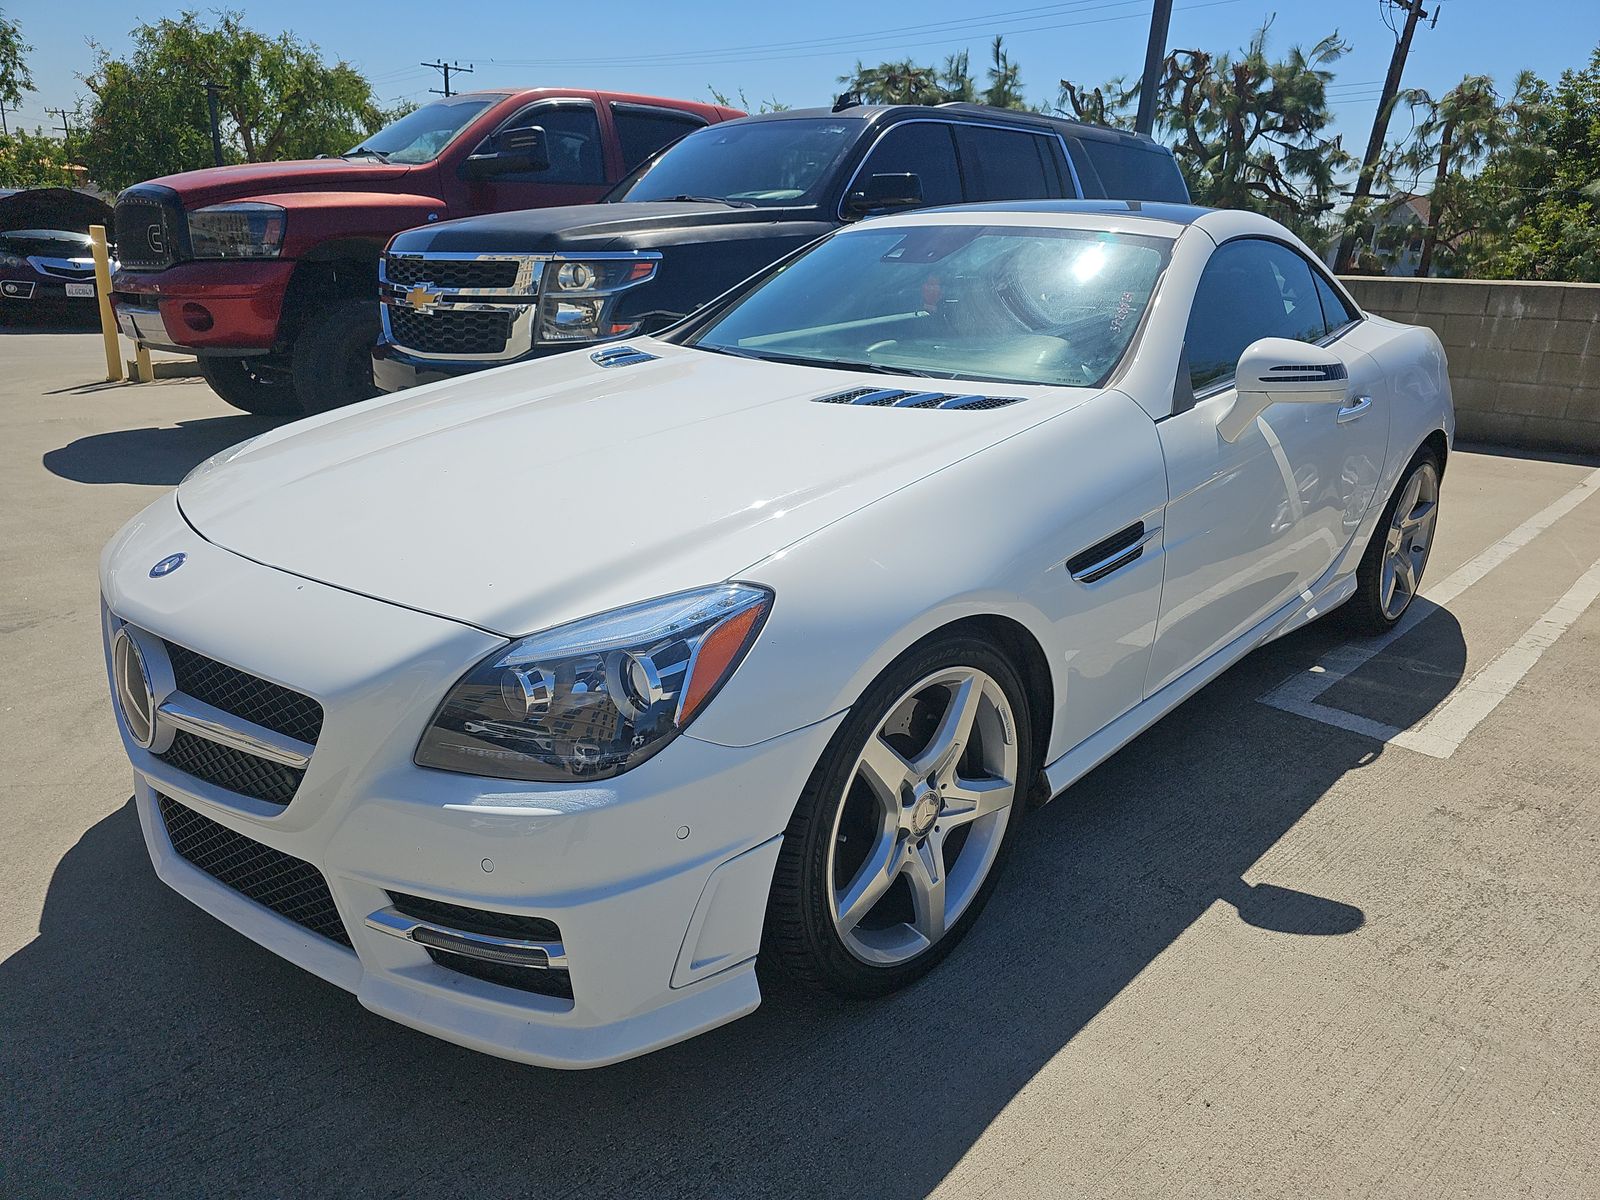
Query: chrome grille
289	886
469	274
450	331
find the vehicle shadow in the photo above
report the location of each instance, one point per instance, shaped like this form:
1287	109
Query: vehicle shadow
147	1042
155	454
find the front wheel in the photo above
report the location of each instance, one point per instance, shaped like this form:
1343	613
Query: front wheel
1391	569
258	384
899	836
333	355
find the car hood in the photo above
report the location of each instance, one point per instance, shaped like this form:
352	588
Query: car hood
212	185
626	225
537	493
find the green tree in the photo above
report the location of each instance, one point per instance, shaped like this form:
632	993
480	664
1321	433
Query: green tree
1111	103
1005	79
14	75
743	102
279	100
903	82
908	82
34	159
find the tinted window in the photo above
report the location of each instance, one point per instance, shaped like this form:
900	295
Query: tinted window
643	131
572	140
1336	311
418	136
775	162
1250	289
1130	172
1005	164
920	148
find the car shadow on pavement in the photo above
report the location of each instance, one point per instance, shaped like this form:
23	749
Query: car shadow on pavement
160	455
150	1049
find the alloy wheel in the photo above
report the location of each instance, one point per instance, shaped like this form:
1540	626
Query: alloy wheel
1409	540
922	816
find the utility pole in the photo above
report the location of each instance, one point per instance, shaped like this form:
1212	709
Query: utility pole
1380	123
1155	53
4	129
213	90
66	129
446	68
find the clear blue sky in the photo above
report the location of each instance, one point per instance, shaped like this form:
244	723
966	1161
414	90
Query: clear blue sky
794	52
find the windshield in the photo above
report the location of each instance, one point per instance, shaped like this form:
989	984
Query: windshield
999	303
768	163
421	134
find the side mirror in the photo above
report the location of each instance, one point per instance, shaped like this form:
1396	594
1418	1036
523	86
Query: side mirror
1281	371
513	152
881	193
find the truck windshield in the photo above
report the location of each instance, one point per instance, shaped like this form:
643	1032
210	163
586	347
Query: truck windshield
767	163
1010	304
421	134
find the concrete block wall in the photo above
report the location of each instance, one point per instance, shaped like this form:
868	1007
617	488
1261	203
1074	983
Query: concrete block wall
1524	357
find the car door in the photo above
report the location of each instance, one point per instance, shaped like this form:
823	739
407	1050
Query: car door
1009	164
578	172
1252	524
921	148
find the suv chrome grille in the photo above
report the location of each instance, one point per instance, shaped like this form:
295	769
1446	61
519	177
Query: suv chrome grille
866	397
289	886
467	274
450	331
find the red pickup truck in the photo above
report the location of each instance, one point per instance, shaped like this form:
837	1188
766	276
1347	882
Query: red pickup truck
268	272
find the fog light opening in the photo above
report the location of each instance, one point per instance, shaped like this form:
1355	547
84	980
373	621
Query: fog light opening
198	317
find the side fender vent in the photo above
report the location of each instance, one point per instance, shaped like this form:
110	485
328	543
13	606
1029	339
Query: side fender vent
619	356
866	397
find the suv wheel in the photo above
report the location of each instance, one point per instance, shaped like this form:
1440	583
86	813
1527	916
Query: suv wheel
332	358
260	385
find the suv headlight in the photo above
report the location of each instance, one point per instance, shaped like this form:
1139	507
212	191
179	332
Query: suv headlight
596	697
244	230
579	296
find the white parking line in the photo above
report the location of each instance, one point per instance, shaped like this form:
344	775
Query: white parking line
1299	694
1470	703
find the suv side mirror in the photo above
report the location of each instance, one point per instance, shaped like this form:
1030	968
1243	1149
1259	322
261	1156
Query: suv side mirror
881	193
1278	370
512	152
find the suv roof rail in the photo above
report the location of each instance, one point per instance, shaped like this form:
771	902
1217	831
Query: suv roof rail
1021	114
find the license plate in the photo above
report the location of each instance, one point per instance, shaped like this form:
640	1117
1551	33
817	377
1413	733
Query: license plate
81	289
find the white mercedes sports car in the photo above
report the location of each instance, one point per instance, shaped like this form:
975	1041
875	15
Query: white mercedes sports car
538	708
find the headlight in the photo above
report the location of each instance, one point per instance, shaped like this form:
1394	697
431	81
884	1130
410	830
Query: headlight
244	230
579	296
12	262
597	697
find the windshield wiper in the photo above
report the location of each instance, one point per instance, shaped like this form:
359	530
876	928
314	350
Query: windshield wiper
713	200
364	151
801	360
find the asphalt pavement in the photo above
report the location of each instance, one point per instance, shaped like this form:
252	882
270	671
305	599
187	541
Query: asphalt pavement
1267	950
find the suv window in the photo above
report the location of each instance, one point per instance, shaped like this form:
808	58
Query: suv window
920	148
1336	310
1006	164
643	131
1130	172
572	140
1250	289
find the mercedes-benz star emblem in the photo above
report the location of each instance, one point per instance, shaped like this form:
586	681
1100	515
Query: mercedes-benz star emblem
168	565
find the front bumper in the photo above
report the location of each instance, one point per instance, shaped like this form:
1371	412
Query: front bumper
45	289
206	308
393	370
657	879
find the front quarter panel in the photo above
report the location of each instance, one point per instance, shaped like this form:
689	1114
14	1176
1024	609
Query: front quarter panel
986	536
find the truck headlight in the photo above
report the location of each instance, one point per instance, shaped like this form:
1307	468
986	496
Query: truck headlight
247	229
596	697
578	297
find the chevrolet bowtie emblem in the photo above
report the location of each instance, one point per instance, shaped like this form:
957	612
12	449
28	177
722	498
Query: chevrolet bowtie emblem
421	298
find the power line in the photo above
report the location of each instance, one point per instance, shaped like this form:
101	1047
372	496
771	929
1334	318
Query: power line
446	68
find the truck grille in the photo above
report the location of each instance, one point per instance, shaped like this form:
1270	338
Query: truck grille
446	331
408	270
147	233
289	886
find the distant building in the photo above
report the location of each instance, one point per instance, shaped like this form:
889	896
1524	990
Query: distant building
1392	245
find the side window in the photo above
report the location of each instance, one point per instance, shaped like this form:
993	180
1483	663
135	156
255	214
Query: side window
643	131
1336	310
1250	289
921	148
1005	164
572	139
1130	172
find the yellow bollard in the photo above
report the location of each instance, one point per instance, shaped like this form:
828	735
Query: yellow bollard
102	291
145	373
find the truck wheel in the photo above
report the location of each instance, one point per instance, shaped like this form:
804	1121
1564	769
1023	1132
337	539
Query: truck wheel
333	355
254	385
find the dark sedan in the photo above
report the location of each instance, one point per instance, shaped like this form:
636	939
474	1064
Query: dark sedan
48	267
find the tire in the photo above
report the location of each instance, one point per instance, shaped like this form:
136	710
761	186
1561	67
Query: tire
332	357
259	385
885	945
1384	591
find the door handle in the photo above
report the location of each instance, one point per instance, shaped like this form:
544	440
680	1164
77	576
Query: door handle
1353	410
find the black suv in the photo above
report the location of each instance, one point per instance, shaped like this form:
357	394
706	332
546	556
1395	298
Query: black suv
711	210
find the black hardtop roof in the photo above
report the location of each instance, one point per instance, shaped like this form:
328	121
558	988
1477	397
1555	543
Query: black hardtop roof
873	113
